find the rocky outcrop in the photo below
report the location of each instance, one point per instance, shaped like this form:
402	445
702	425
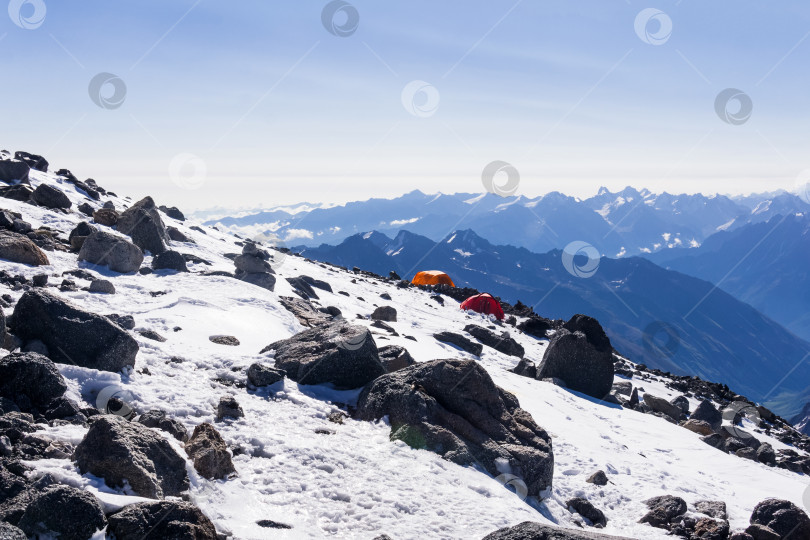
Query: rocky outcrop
580	354
783	517
161	519
20	249
169	260
118	451
337	353
50	197
209	453
73	336
460	341
106	249
65	512
143	224
30	380
453	408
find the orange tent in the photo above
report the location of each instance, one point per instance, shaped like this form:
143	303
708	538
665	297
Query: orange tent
432	277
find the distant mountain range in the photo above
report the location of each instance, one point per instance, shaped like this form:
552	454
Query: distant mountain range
765	264
627	223
642	306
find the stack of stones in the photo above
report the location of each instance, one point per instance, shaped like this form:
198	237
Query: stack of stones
253	267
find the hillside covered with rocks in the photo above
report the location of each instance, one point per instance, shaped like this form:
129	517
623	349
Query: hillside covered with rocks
163	379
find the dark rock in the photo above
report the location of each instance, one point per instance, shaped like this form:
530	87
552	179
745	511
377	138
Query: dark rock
302	288
385	296
143	224
463	343
264	280
173	212
176	235
709	529
127	322
663	510
317	283
270	524
172	520
151	334
337	353
73	336
50	197
251	264
681	402
12	170
747	453
304	311
740	535
32	376
732	444
784	517
159	420
535	531
584	508
208	451
261	375
228	407
20	249
663	406
20	192
86	209
35	162
169	260
384	313
62	408
707	412
715	509
69	513
106	249
698	426
715	440
599	478
502	343
117	450
535	326
106	216
766	454
592	329
623	388
585	366
453	408
395	357
761	532
79	234
10	532
103	286
224	340
526	368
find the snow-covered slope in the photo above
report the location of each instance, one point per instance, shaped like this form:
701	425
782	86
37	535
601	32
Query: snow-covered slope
350	481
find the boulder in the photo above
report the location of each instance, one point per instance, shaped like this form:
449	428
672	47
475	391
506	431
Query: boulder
177	235
664	509
384	313
117	450
158	419
463	343
86	209
598	478
30	379
304	311
583	358
302	288
708	413
395	357
173	212
103	286
715	509
265	280
20	249
208	451
529	530
710	529
174	520
337	353
766	454
79	234
63	511
761	532
453	408
13	170
19	192
698	426
228	407
535	326
503	343
784	517
526	368
106	249
73	336
251	264
229	341
35	162
169	260
681	402
143	224
586	509
261	375
50	197
663	406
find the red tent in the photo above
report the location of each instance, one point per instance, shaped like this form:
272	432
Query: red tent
483	303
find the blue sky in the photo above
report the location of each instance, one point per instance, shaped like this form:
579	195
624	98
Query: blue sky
279	110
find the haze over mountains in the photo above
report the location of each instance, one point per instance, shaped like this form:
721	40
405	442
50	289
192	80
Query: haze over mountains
626	223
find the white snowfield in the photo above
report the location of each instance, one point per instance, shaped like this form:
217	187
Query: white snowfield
354	482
